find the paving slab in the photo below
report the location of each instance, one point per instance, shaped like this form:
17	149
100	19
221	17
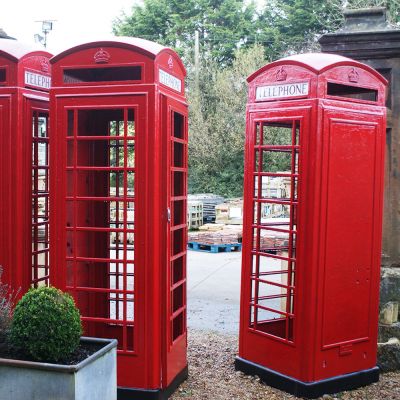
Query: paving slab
214	291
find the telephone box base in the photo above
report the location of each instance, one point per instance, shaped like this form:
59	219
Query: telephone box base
156	394
310	390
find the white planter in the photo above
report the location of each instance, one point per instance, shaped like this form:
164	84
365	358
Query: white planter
93	378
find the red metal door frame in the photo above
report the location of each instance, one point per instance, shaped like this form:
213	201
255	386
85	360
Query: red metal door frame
252	342
174	127
6	239
35	109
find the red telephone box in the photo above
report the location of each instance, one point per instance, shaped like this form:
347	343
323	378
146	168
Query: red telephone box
312	224
24	206
119	118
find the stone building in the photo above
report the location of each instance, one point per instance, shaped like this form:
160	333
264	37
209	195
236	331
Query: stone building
367	36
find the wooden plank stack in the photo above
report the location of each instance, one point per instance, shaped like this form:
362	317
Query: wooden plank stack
217	234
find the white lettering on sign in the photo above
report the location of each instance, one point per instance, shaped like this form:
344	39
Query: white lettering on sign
37	80
286	90
170	80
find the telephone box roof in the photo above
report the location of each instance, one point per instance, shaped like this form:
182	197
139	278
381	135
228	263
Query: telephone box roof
318	63
17	50
147	47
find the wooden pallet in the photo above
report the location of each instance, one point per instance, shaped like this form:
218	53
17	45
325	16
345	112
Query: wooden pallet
214	248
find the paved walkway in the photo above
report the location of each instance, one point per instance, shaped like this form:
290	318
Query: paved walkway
214	291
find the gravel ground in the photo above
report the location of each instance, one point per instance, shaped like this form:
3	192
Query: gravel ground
212	375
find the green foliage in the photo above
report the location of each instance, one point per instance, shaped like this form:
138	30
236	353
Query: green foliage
222	25
46	325
292	26
276	135
217	124
281	26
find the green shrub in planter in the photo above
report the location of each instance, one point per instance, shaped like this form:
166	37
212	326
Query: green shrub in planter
46	325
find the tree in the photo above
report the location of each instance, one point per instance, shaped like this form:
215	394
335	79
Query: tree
292	26
222	24
217	125
281	26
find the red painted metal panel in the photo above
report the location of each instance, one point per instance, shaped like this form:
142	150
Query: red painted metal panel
350	240
312	217
350	172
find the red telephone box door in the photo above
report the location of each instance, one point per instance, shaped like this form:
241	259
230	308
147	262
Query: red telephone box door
176	143
5	143
28	211
272	244
104	236
37	126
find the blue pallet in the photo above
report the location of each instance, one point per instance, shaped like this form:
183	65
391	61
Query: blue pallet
215	248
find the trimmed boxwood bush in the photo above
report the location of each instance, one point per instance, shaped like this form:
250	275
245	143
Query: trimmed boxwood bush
46	325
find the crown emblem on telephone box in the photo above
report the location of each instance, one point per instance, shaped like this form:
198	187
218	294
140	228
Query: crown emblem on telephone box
353	75
102	57
44	65
281	74
170	62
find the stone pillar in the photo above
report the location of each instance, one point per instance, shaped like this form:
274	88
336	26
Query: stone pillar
368	37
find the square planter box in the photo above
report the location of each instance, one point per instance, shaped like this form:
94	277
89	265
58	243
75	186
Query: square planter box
93	378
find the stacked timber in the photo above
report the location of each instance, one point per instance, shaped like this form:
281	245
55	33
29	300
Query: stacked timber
209	237
212	227
271	242
217	234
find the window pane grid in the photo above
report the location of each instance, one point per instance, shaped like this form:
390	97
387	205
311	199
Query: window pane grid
100	222
40	199
276	177
178	226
